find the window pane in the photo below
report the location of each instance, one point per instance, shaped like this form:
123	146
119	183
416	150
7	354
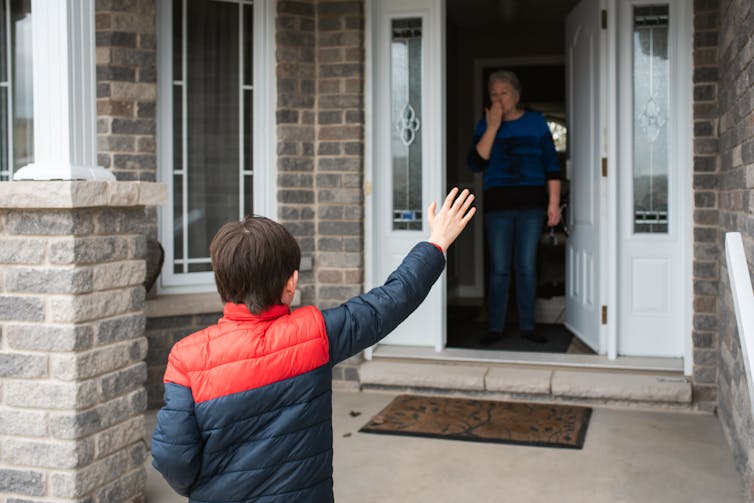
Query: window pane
23	109
651	91
178	222
212	87
177	127
4	172
200	267
406	112
248	142
248	46
3	42
177	40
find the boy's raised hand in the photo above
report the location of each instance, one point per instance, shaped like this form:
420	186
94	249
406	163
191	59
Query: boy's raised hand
445	226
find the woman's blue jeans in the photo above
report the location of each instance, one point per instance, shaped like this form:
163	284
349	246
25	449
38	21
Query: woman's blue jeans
512	238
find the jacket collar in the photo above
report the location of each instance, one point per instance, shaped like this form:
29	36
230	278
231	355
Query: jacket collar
239	312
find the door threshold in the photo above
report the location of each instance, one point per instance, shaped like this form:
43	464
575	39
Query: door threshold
657	364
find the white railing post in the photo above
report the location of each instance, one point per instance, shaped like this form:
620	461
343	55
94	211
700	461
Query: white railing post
65	93
743	302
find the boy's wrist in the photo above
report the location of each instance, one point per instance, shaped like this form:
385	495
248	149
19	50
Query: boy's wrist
439	247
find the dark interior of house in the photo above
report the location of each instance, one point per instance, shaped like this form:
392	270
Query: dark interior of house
528	38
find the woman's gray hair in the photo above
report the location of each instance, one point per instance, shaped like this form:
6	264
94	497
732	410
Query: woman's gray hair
505	76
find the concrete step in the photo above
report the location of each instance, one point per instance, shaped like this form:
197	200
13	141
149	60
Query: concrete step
592	386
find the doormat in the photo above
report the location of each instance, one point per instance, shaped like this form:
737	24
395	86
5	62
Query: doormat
541	425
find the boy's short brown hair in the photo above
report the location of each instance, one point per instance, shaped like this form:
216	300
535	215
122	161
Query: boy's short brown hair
252	260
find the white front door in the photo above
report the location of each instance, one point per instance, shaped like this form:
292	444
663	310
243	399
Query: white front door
584	102
654	177
408	160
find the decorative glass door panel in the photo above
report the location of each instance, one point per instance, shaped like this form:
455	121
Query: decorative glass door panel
406	141
651	81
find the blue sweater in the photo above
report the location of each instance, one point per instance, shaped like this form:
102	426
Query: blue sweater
521	161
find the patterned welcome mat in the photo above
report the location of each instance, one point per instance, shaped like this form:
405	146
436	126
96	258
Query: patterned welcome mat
542	425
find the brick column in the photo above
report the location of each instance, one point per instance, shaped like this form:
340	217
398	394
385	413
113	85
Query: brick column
72	344
707	251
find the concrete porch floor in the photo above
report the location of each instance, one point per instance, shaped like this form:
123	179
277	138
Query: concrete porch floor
629	455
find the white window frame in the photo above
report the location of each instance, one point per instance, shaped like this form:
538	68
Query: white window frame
264	151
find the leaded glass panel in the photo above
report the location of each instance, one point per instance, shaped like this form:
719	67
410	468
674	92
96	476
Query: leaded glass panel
651	90
406	122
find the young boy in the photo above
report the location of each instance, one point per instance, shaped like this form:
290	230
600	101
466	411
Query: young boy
247	413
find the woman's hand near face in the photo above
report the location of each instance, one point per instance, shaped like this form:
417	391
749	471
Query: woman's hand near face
494	116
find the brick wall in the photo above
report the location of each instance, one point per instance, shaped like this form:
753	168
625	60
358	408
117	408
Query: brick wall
320	67
126	88
735	47
706	174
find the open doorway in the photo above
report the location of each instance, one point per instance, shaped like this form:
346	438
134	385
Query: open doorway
528	38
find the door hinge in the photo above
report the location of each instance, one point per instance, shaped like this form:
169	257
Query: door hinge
604	19
604	167
604	315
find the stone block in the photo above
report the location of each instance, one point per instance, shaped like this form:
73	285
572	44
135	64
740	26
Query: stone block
99	361
129	486
23	366
119	274
49	395
27	482
120	328
88	250
23	422
75	484
421	375
349	260
119	436
49	223
347	164
340	228
51	338
48	454
122	381
518	380
48	280
22	251
611	386
18	308
71	425
93	306
344	196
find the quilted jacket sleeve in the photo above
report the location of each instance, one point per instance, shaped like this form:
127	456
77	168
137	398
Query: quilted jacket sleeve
364	320
177	442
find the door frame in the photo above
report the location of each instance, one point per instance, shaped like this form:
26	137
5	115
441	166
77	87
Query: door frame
609	191
433	154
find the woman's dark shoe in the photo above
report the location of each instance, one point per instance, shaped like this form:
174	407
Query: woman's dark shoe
531	335
491	338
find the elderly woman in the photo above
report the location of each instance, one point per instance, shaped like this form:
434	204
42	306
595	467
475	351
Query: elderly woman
514	149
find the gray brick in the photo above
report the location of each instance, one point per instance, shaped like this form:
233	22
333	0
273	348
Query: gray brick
347	196
49	395
72	425
22	251
340	228
118	383
119	436
340	260
99	361
26	423
60	455
88	250
20	365
348	164
126	487
75	484
120	328
49	337
16	308
57	280
76	222
93	306
28	482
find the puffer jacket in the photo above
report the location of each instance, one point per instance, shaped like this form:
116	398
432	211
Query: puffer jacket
248	402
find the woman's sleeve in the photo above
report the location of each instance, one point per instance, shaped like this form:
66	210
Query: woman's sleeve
549	155
475	161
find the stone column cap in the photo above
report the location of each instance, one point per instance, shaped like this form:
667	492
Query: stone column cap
81	194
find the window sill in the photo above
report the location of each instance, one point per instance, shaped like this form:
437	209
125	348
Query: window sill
183	304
